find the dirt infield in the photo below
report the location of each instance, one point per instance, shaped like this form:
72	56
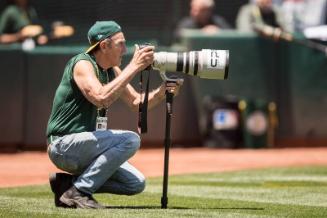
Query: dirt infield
30	168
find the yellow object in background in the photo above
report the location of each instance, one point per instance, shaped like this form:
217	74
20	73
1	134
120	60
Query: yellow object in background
31	31
61	31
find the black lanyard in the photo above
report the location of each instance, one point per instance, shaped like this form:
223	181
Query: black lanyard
143	106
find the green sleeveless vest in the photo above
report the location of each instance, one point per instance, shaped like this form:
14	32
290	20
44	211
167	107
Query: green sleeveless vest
71	111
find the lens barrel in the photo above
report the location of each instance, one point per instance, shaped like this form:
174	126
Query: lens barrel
207	63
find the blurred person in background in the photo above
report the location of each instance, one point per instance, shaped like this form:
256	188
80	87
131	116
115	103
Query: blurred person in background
259	13
302	14
78	140
293	10
202	18
19	21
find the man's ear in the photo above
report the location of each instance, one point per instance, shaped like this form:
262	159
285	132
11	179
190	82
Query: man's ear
103	45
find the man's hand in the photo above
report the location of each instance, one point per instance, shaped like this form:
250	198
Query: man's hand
174	88
171	87
142	58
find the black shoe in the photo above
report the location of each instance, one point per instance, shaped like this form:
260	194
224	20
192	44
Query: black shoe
60	183
76	199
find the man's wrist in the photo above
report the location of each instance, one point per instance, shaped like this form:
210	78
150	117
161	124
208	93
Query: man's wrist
161	93
132	68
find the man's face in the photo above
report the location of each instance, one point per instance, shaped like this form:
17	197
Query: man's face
200	13
115	48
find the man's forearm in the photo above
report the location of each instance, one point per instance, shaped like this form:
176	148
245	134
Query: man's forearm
159	94
156	96
113	90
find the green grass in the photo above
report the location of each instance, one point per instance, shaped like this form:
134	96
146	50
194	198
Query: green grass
287	192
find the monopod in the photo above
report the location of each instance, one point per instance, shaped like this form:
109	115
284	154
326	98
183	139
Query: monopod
167	140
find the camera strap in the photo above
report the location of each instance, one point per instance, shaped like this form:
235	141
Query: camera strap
143	106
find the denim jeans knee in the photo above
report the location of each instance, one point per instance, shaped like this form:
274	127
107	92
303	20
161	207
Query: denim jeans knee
65	162
132	142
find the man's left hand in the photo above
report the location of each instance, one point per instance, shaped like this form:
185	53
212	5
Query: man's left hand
172	87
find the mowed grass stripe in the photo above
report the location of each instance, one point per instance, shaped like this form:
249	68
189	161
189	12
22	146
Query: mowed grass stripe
289	192
287	186
180	206
283	195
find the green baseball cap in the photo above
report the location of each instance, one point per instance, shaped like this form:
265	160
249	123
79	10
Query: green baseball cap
100	31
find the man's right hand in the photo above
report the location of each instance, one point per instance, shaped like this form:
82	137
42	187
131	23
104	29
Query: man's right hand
142	58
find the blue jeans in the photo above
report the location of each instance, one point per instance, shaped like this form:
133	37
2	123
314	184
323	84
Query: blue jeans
99	159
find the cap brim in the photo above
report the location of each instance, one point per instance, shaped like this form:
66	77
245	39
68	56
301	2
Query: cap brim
92	47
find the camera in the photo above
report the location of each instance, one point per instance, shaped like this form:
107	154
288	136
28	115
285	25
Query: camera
143	46
207	63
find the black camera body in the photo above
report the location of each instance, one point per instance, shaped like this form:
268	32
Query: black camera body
144	45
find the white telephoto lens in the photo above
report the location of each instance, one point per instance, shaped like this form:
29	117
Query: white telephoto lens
208	64
214	64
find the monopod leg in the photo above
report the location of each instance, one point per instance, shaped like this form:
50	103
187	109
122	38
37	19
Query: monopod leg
169	112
